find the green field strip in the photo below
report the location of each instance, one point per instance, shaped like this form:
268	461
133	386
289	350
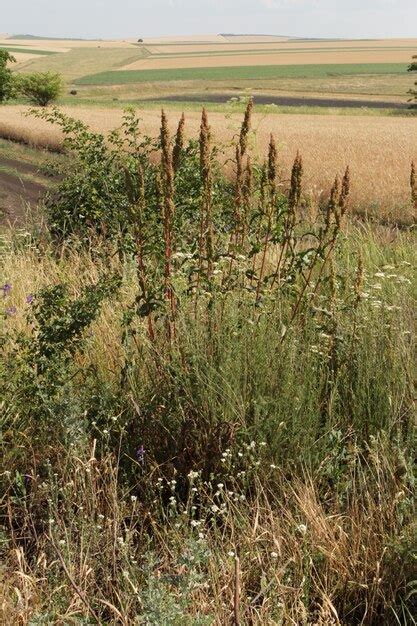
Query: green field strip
28	51
259	72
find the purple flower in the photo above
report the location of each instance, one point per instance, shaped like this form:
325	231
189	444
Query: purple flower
6	289
140	454
11	310
29	299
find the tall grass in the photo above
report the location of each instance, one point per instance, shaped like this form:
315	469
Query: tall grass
208	402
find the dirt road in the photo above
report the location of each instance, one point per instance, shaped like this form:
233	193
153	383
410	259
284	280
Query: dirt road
17	190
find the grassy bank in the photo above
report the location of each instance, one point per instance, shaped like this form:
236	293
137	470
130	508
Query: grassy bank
208	395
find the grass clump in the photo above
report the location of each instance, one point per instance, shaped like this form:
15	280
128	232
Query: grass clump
208	405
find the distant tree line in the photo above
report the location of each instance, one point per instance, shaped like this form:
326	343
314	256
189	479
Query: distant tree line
413	91
40	88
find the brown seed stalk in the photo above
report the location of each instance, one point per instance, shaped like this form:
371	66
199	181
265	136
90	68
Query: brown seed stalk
272	163
413	185
179	144
296	180
206	226
246	127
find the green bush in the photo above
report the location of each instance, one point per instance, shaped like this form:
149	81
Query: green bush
6	76
413	91
41	88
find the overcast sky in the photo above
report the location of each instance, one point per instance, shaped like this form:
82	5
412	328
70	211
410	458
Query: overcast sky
146	18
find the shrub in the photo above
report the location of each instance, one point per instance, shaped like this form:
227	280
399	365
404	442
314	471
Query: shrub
413	91
6	76
41	88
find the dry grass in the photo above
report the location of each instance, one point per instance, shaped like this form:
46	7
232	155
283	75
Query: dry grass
289	557
23	57
378	149
63	45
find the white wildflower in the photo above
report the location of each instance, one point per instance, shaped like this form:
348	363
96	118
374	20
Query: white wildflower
302	529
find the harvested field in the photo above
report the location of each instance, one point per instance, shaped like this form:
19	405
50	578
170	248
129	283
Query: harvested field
22	57
290	45
280	57
378	149
81	61
63	45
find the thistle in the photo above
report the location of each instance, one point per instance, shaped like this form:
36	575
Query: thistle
179	144
246	126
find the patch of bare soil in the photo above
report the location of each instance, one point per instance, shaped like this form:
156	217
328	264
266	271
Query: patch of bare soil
16	191
290	101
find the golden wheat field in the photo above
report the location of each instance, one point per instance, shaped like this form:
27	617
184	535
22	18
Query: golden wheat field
377	149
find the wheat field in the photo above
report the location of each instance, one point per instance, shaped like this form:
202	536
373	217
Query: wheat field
377	149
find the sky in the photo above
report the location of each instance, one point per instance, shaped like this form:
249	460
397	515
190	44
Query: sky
119	19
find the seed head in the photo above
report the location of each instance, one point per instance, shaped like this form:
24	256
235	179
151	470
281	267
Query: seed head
272	162
205	137
179	144
296	178
246	126
344	194
413	185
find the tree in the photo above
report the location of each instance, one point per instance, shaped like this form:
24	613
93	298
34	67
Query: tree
413	91
6	76
41	88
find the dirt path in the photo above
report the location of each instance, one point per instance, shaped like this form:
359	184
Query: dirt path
20	166
291	101
17	191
